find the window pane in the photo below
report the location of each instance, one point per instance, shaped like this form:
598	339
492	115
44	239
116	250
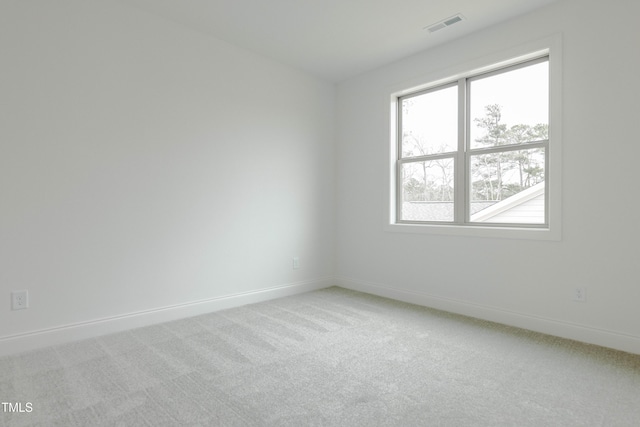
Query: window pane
511	107
427	190
508	187
430	123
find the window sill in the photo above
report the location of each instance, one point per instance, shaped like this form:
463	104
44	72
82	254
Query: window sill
477	231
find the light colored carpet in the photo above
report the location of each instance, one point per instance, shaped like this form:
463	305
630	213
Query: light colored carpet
327	358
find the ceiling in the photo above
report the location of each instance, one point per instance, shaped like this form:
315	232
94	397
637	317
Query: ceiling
335	39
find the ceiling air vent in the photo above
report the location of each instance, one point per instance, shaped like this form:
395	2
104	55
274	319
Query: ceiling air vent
445	23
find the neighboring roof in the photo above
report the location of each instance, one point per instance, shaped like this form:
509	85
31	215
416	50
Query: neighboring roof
509	204
437	211
526	207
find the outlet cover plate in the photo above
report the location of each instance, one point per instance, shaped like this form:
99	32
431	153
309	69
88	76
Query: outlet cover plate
19	300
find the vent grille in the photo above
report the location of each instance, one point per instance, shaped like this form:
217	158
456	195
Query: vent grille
445	23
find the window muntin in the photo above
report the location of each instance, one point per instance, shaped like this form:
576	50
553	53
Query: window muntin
484	163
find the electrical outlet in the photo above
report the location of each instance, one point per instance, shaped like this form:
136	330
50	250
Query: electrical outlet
19	300
296	263
580	294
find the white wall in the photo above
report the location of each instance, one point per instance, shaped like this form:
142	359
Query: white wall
143	166
522	282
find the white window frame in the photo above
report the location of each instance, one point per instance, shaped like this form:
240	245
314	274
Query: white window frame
550	48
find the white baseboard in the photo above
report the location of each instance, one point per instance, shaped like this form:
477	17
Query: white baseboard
94	328
62	334
601	337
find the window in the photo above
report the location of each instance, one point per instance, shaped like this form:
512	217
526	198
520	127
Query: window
475	151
